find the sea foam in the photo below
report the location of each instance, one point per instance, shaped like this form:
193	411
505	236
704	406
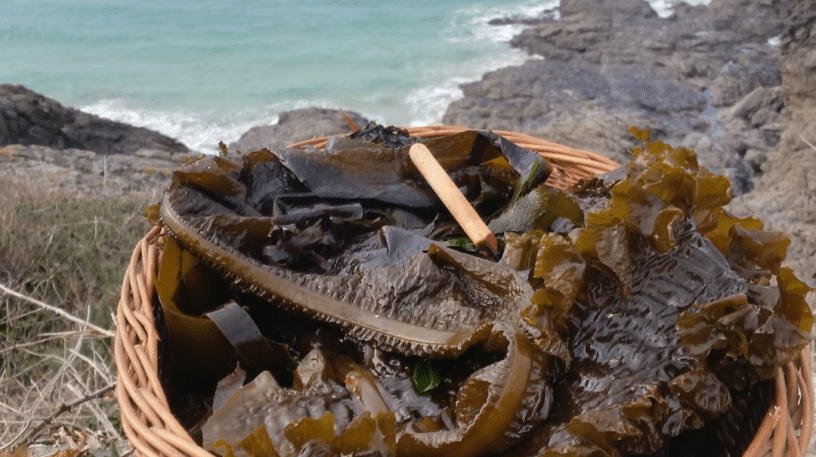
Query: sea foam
398	63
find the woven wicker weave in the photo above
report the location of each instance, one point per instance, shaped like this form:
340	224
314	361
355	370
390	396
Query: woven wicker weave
154	431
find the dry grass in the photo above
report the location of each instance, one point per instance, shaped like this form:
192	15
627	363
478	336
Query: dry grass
61	266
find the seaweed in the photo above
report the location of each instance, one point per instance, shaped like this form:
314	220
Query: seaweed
378	134
621	315
675	311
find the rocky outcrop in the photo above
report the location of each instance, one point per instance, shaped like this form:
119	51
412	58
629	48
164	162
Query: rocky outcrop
87	174
794	160
751	127
545	16
65	150
737	80
690	79
29	118
785	194
581	106
294	126
759	19
704	78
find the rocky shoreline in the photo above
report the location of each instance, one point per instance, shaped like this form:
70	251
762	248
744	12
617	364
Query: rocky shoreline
706	78
711	78
691	79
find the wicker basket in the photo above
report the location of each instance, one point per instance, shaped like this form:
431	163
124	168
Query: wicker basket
154	431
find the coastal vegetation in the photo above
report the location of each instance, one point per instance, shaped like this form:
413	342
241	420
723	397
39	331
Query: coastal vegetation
66	252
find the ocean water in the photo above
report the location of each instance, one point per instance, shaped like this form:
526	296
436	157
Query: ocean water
204	71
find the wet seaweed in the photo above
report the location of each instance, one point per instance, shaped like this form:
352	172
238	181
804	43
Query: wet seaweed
648	314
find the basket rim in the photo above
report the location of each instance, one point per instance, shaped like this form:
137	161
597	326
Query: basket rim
569	164
153	430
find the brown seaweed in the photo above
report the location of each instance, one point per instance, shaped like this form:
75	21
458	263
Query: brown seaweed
315	241
648	313
674	313
379	134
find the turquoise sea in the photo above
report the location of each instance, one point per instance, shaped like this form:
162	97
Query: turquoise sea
208	70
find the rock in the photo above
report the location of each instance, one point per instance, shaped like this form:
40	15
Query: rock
760	19
737	80
792	165
760	107
294	126
566	39
616	10
688	48
653	91
614	64
545	16
587	109
578	106
610	65
784	195
29	118
752	126
88	174
798	65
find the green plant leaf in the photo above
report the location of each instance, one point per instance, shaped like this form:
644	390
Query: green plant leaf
425	377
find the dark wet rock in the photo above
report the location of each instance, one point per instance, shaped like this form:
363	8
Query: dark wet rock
545	16
690	79
297	125
29	118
